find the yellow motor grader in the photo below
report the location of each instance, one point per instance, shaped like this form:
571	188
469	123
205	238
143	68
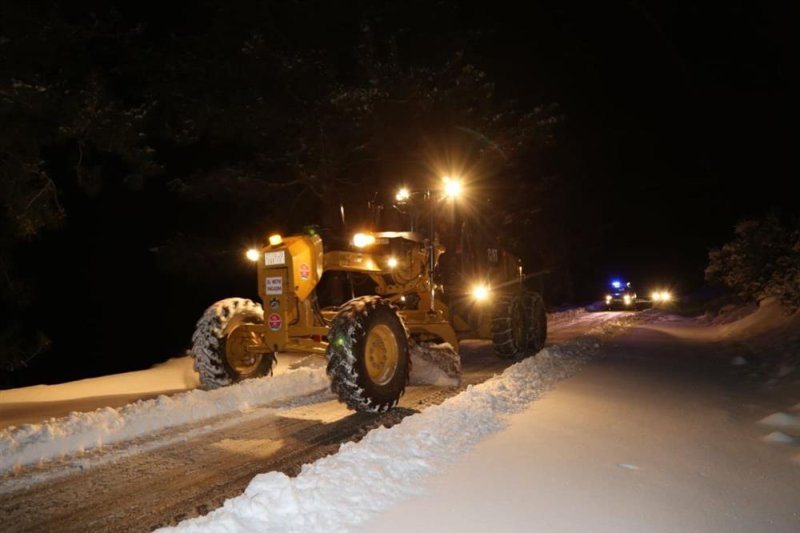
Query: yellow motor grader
362	305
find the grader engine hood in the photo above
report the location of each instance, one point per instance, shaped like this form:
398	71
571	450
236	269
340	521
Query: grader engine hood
287	275
352	262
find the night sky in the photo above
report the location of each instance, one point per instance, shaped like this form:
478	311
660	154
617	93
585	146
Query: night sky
678	117
675	121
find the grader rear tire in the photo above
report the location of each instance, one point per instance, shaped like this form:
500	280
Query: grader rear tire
537	334
510	326
368	357
219	352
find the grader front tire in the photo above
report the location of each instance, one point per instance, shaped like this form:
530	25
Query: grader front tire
368	356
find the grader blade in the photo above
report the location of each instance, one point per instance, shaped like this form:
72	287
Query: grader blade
435	364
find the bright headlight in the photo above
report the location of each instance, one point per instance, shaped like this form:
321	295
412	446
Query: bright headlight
392	262
252	254
402	195
661	296
360	240
480	292
627	298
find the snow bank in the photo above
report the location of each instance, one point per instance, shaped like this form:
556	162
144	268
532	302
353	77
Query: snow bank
782	420
173	375
343	490
768	336
567	316
79	432
769	317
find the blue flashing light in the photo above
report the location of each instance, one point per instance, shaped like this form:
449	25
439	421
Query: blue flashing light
616	284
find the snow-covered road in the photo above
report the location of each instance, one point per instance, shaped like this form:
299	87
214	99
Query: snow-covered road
660	432
663	431
657	434
32	405
164	469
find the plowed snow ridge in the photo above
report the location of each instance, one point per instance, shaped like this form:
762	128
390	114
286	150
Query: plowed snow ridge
83	432
345	489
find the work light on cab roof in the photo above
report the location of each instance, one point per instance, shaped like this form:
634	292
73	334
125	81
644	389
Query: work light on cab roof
403	194
452	187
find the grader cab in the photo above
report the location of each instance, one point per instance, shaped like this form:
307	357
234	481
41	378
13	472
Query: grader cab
363	306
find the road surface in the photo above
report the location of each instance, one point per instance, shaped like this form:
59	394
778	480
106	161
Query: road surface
202	466
658	433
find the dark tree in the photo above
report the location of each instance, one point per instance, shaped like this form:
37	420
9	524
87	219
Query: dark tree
762	260
146	147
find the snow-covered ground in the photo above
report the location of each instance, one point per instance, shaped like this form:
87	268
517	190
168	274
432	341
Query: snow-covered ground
770	338
78	432
344	490
442	467
466	465
83	430
173	375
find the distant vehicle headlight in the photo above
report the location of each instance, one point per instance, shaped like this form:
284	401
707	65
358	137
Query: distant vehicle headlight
661	296
627	299
608	298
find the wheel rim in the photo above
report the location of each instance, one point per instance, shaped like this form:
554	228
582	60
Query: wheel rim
240	359
518	326
381	354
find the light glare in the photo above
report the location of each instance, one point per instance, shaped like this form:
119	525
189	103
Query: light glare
275	240
452	187
480	292
661	296
360	240
252	254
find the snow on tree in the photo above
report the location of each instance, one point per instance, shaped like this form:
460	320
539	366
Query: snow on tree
762	260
